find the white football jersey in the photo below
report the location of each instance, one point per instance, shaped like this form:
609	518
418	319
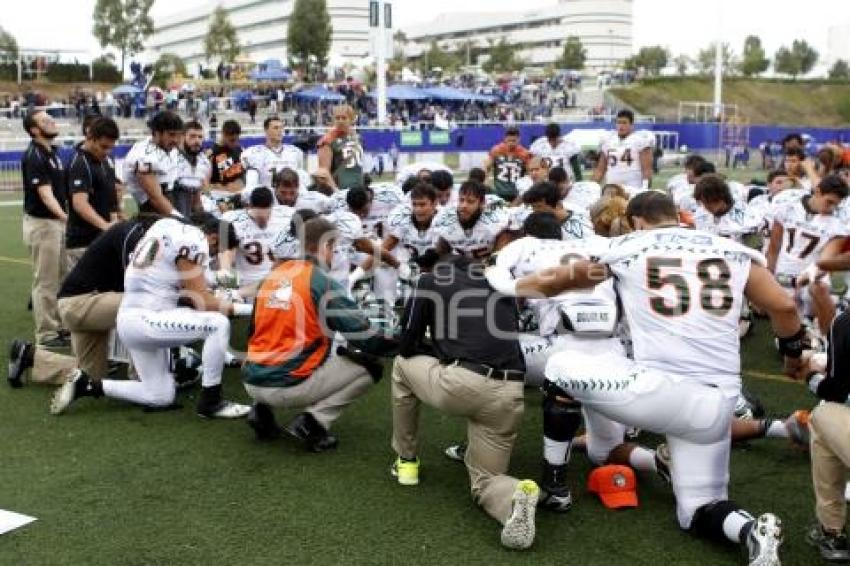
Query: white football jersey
145	157
679	188
736	223
349	228
804	235
558	156
582	195
191	177
267	161
401	226
476	242
623	156
152	280
385	198
523	184
682	292
255	251
576	226
529	255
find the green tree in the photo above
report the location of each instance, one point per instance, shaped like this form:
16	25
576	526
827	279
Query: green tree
796	61
503	58
167	66
122	24
682	63
437	56
574	54
8	46
840	71
309	36
705	60
753	59
652	59
221	42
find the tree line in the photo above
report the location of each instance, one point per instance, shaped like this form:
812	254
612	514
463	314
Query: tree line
125	25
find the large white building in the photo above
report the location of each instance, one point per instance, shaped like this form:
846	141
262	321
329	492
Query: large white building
262	27
604	27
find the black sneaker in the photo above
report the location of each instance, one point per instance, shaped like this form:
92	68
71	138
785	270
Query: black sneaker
261	419
554	493
20	358
307	429
833	547
57	343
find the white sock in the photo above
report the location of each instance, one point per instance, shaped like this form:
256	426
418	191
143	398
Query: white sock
776	429
228	357
642	459
734	523
555	452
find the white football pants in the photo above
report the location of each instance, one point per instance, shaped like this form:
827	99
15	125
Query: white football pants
696	418
148	336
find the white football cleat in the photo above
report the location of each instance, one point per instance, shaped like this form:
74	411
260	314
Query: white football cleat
228	410
764	541
66	393
519	530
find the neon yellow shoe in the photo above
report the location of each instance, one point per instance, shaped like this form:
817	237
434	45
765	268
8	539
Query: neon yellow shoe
519	530
406	471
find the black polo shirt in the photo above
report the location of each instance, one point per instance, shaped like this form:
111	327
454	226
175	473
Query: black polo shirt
101	267
226	165
96	179
41	166
467	319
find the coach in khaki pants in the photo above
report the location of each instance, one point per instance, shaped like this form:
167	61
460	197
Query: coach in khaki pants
88	303
472	367
45	205
290	361
829	425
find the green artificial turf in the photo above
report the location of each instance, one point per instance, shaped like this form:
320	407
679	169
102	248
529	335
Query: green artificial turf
111	484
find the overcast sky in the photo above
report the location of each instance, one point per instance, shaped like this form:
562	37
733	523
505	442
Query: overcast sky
682	26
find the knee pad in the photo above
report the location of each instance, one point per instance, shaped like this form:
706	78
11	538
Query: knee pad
707	520
561	418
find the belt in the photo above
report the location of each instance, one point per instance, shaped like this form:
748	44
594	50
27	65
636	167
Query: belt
492	373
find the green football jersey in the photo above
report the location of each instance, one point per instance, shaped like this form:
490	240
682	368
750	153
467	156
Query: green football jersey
347	162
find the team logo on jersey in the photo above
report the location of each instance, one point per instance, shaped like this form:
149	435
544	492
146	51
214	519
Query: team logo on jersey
281	298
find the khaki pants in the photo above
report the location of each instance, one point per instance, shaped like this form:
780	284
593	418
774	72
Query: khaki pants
51	368
331	388
830	450
493	410
45	239
90	317
74	255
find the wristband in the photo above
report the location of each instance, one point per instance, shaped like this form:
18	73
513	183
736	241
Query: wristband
644	185
793	346
242	309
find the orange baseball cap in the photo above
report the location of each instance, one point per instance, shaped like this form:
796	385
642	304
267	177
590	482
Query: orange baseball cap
615	485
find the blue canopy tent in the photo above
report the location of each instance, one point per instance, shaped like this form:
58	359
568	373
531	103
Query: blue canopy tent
126	90
451	94
403	92
270	70
318	94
